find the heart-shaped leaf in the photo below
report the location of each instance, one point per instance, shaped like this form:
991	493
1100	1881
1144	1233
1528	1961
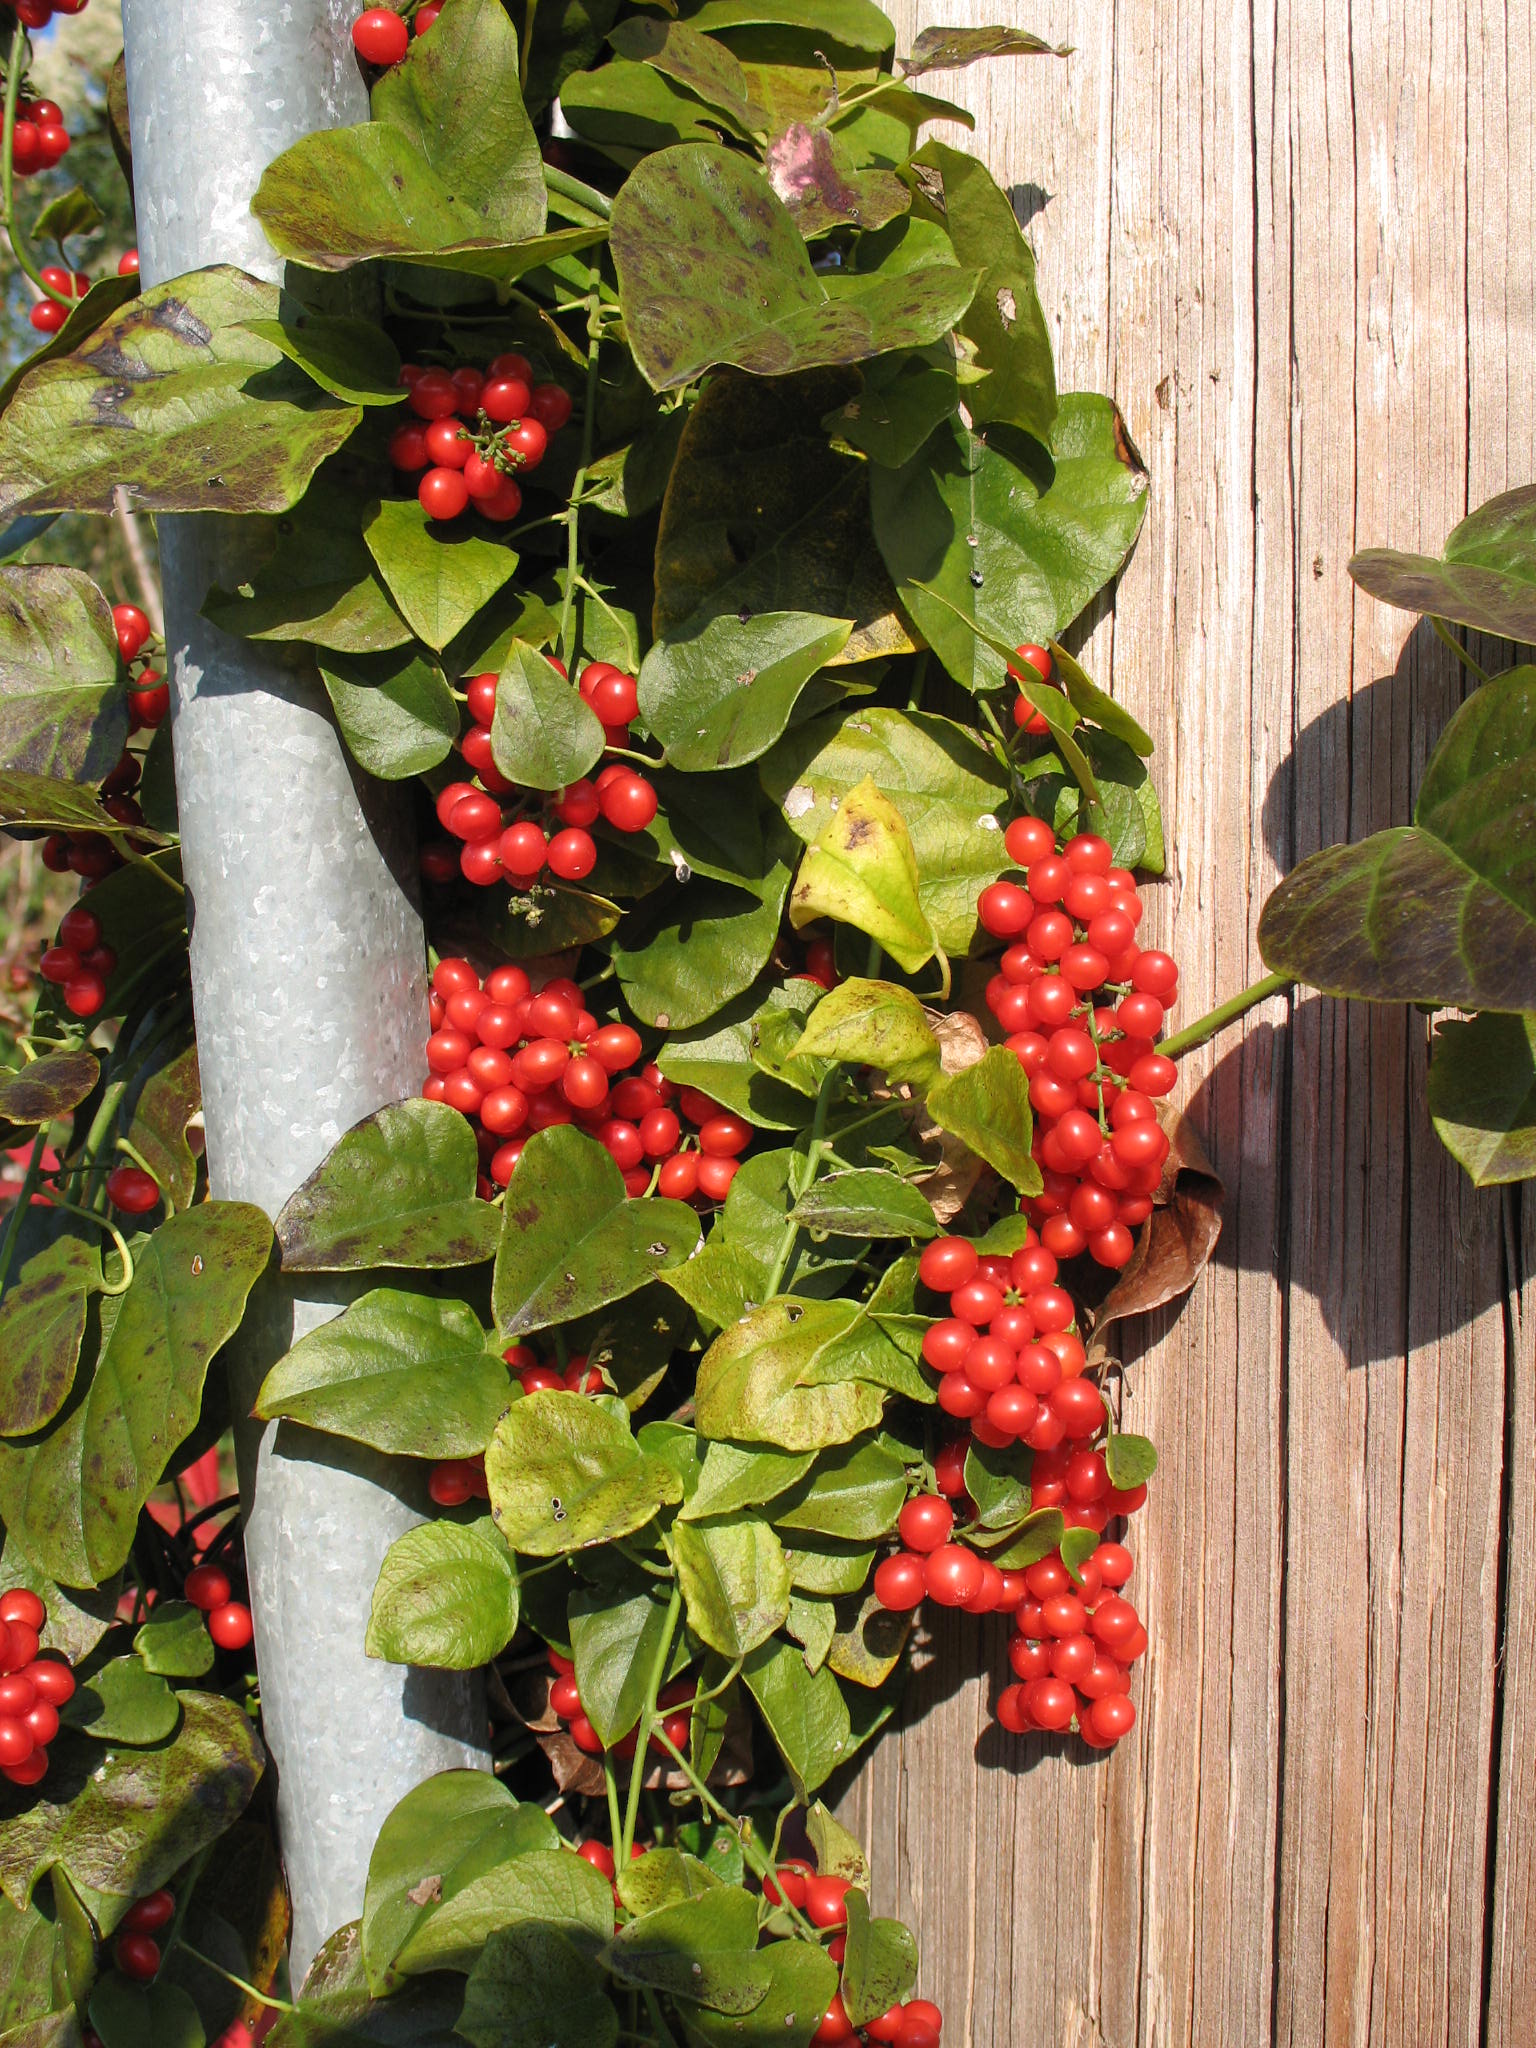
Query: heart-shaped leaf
1482	1095
402	1372
1486	578
801	1983
532	1986
439	575
543	734
565	1473
63	710
548	1887
1442	911
49	1087
572	1240
616	1639
807	1716
165	379
867	1202
398	1190
73	1496
175	1641
703	1950
734	1581
879	1965
725	696
123	1702
754	1381
987	1108
318	583
873	1024
855	1493
862	871
396	712
446	1597
712	270
442	1836
42	1319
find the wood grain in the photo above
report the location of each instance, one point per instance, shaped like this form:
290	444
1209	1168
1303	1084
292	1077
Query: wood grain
1295	240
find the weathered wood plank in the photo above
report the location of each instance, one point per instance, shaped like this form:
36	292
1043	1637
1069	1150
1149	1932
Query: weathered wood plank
1266	235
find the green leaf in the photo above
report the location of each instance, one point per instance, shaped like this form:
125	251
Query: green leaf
987	1108
802	1979
123	1823
997	1479
123	1702
166	379
689	951
572	1240
317	582
725	695
446	1596
46	1956
1077	1546
42	1319
868	1202
175	1642
857	24
734	1477
63	710
447	173
1486	578
548	1887
49	1087
712	271
1442	911
879	1965
402	1372
816	173
753	1382
86	316
396	712
73	212
855	1492
903	399
663	1877
828	1569
564	1473
167	1102
719	1057
1131	1459
352	359
837	1853
126	2014
873	1024
1039	1534
1482	1095
945	784
703	1950
1004	322
615	1641
444	1835
734	1581
862	871
697	62
73	1496
439	575
629	110
945	49
1051	527
764	514
532	1987
1126	813
1090	702
806	1716
543	735
397	1190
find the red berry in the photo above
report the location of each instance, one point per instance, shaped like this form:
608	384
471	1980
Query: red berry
443	493
207	1587
572	855
380	37
137	1956
925	1523
550	405
132	1190
947	1263
952	1574
899	1582
148	1915
826	1901
230	1625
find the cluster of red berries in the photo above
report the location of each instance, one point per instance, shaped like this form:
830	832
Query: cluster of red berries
39	138
475	433
381	38
136	1951
32	1688
81	964
1083	1005
229	1621
565	1701
68	287
1008	1354
1074	1642
515	843
916	2023
516	1060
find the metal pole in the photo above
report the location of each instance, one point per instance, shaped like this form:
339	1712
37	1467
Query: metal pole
307	970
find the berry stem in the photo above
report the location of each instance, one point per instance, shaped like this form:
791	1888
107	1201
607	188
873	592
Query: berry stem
218	1969
14	236
569	640
649	1722
753	1856
801	1179
1224	1014
102	1223
611	1787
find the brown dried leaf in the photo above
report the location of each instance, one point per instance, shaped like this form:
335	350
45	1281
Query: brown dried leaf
576	1772
949	1185
1175	1241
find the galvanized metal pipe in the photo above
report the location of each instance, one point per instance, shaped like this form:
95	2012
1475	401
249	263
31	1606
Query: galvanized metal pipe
307	971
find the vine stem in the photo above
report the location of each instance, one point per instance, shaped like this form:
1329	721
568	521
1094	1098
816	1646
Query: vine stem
1224	1014
801	1180
22	1203
588	440
57	1201
17	240
760	1866
648	1723
1460	652
218	1969
573	188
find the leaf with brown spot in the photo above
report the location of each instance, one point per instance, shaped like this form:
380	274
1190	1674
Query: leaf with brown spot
947	49
1176	1240
42	1319
49	1087
168	1101
62	708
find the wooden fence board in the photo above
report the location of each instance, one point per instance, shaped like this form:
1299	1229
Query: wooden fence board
1295	240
